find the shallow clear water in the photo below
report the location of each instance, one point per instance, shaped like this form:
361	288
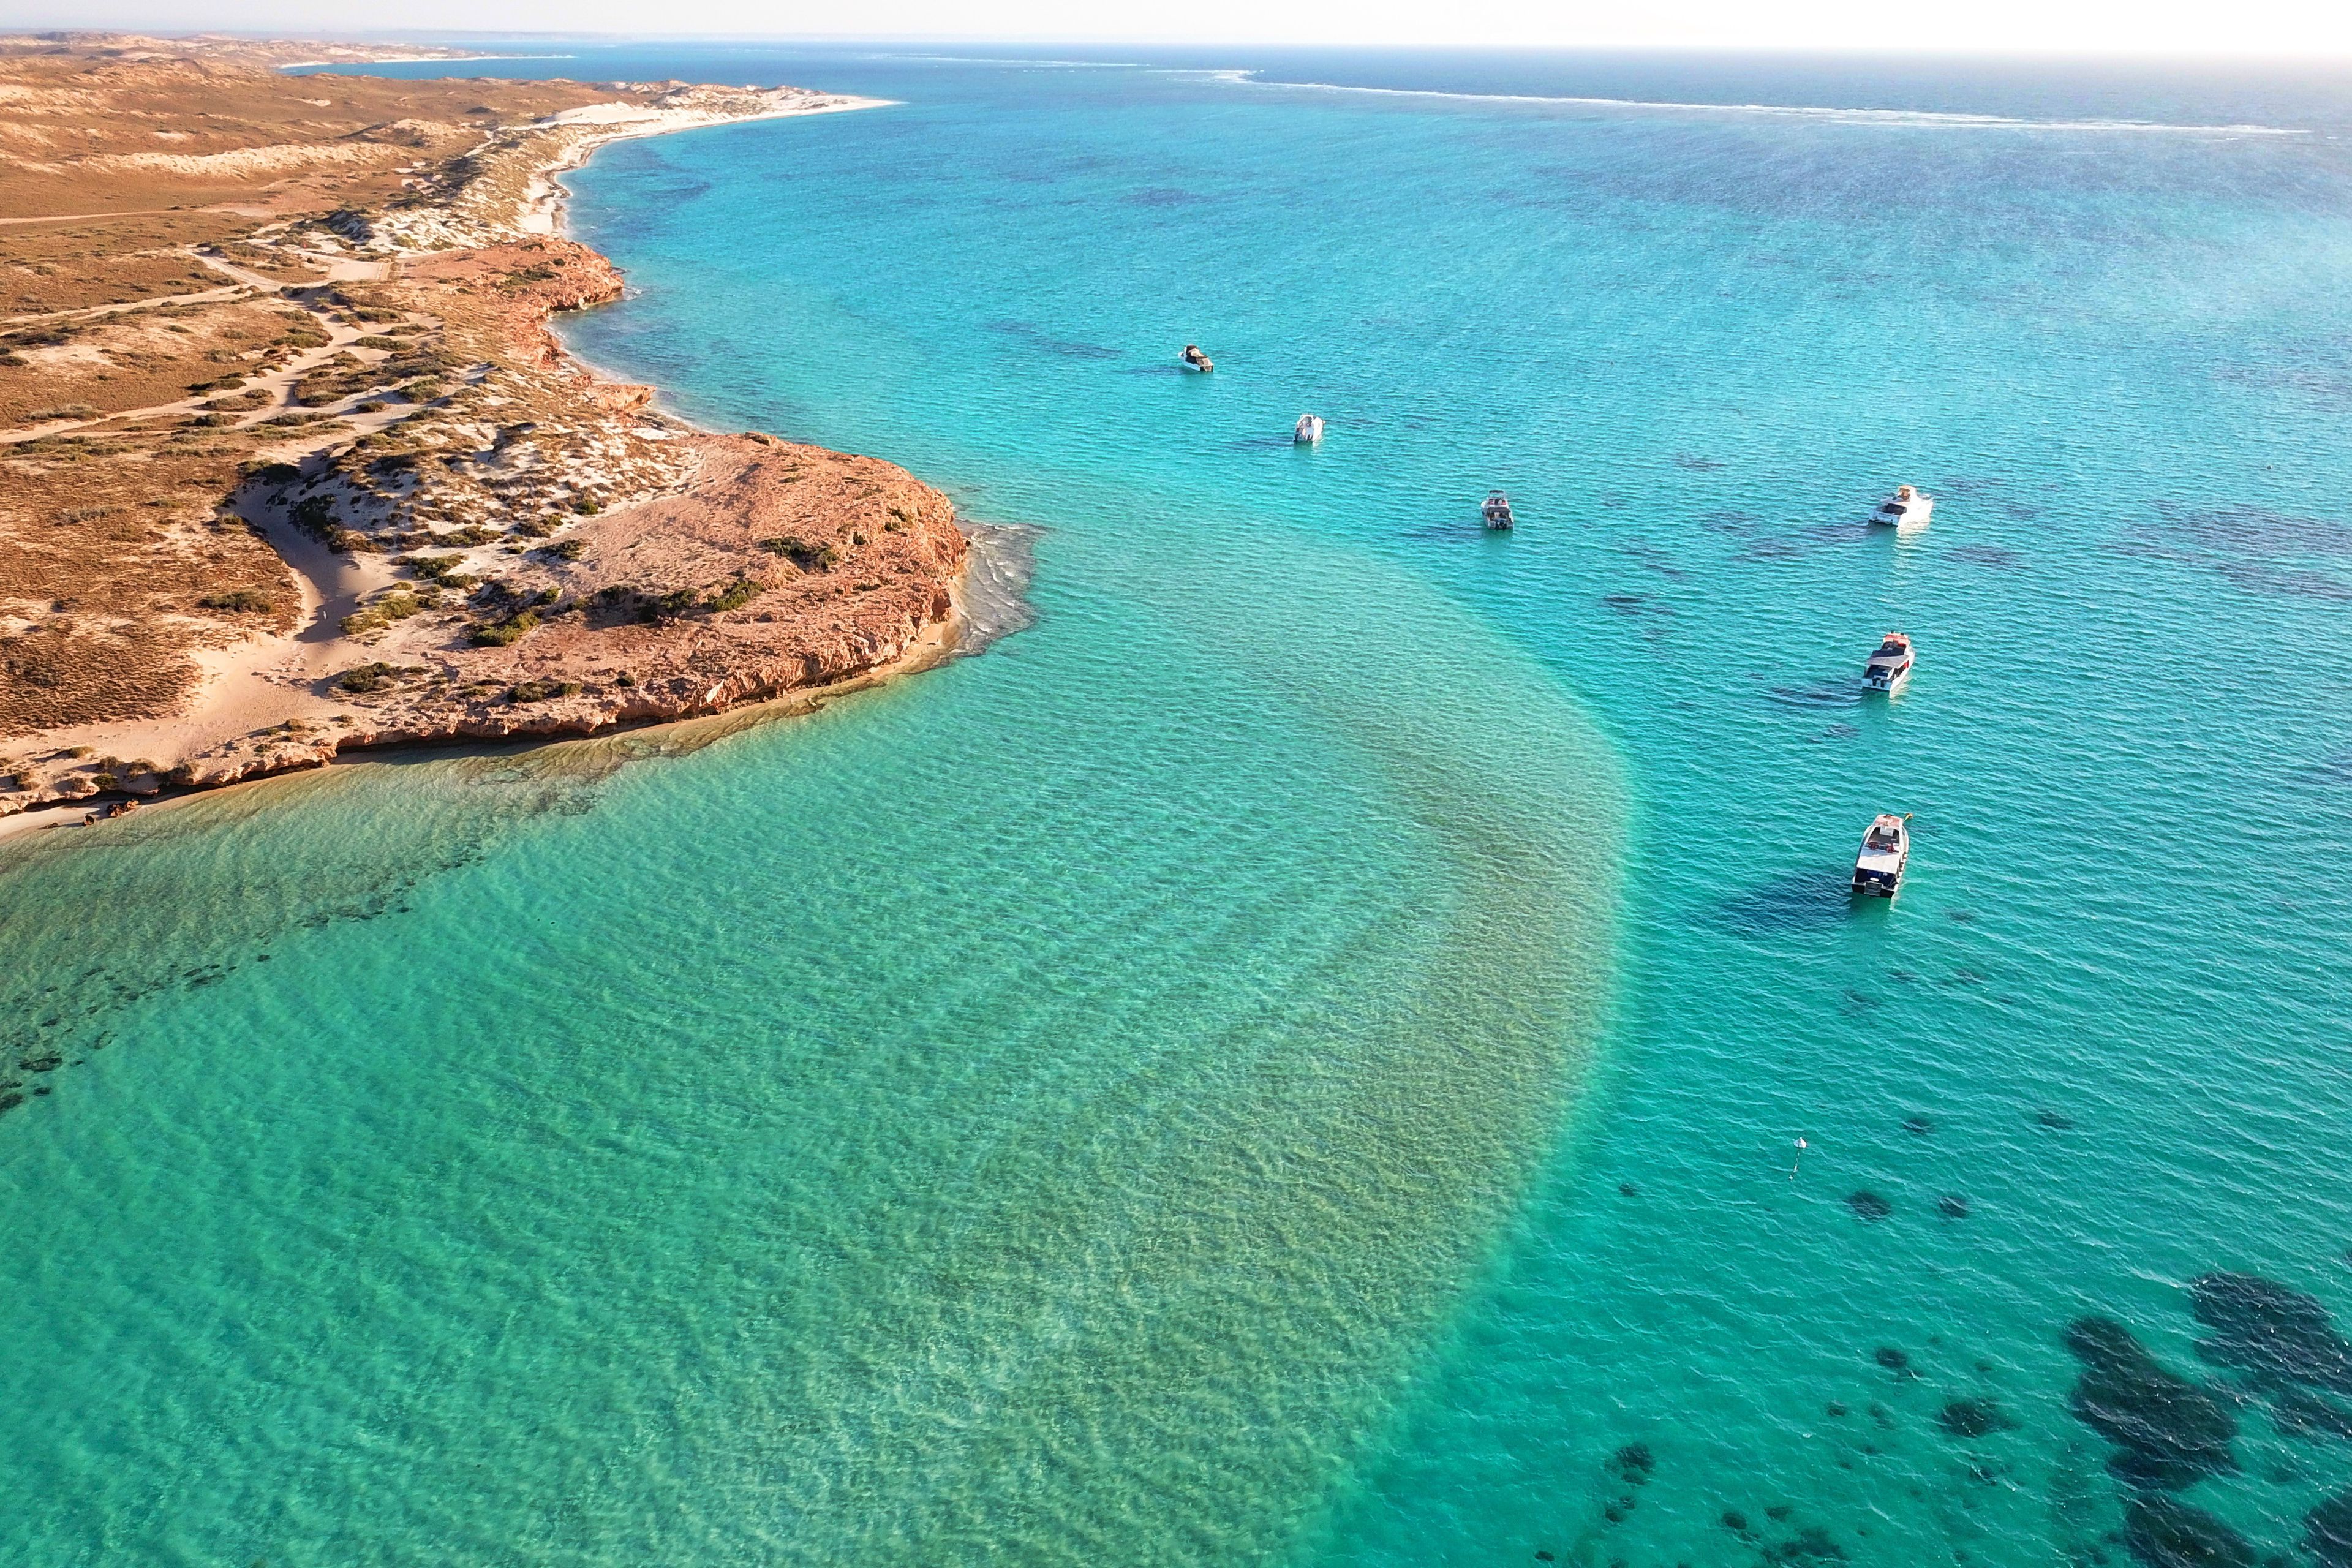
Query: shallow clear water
1295	1056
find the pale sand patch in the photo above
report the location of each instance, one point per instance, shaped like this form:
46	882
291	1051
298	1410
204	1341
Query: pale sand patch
543	197
245	162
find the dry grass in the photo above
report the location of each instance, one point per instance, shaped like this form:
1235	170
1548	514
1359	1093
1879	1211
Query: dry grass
519	528
67	672
114	565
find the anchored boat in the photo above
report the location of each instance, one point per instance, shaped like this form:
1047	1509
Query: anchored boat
1886	850
1890	666
1193	359
1908	507
1308	430
1497	511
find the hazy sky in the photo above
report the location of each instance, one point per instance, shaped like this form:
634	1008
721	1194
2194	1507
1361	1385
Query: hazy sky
2069	26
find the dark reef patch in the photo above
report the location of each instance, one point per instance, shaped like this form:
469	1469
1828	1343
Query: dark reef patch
2271	1333
1974	1418
1632	1464
1814	697
2056	1121
2300	1413
2327	1532
1867	1204
1797	546
2163	1532
1803	901
1894	1361
2167	1432
1951	1205
1810	1544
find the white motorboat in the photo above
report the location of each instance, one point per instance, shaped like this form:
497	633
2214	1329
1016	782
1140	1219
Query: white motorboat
1890	666
1886	850
1192	358
1908	507
1497	511
1308	430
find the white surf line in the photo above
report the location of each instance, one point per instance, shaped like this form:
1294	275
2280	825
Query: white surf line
410	61
1925	118
1034	64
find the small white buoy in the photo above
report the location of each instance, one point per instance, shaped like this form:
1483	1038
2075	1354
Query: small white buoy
1797	1160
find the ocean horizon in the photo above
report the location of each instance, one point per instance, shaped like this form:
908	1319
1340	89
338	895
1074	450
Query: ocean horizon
1345	1039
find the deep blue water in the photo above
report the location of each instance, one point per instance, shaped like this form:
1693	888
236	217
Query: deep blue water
1298	1055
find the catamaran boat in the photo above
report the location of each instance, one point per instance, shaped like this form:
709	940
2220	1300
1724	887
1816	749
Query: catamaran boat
1886	848
1309	431
1497	510
1890	666
1908	507
1193	359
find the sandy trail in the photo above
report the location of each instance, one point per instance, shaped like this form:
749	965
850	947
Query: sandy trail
127	308
278	382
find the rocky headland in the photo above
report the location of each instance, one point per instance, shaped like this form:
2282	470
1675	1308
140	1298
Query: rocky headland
291	464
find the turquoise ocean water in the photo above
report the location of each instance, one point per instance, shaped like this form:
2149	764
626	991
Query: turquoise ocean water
1296	1057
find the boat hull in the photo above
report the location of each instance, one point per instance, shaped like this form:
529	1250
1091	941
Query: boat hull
1877	884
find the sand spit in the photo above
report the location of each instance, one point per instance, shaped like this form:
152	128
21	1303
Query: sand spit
397	512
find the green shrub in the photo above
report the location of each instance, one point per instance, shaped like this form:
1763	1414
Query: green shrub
368	678
315	515
242	600
499	634
737	594
563	550
541	690
668	606
396	605
440	569
801	553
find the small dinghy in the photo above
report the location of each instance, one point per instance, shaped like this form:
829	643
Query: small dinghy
1497	511
1890	666
1885	850
1308	430
1193	359
1908	507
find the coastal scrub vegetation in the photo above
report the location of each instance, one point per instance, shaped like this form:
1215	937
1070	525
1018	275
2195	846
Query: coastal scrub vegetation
803	553
737	594
363	679
503	632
